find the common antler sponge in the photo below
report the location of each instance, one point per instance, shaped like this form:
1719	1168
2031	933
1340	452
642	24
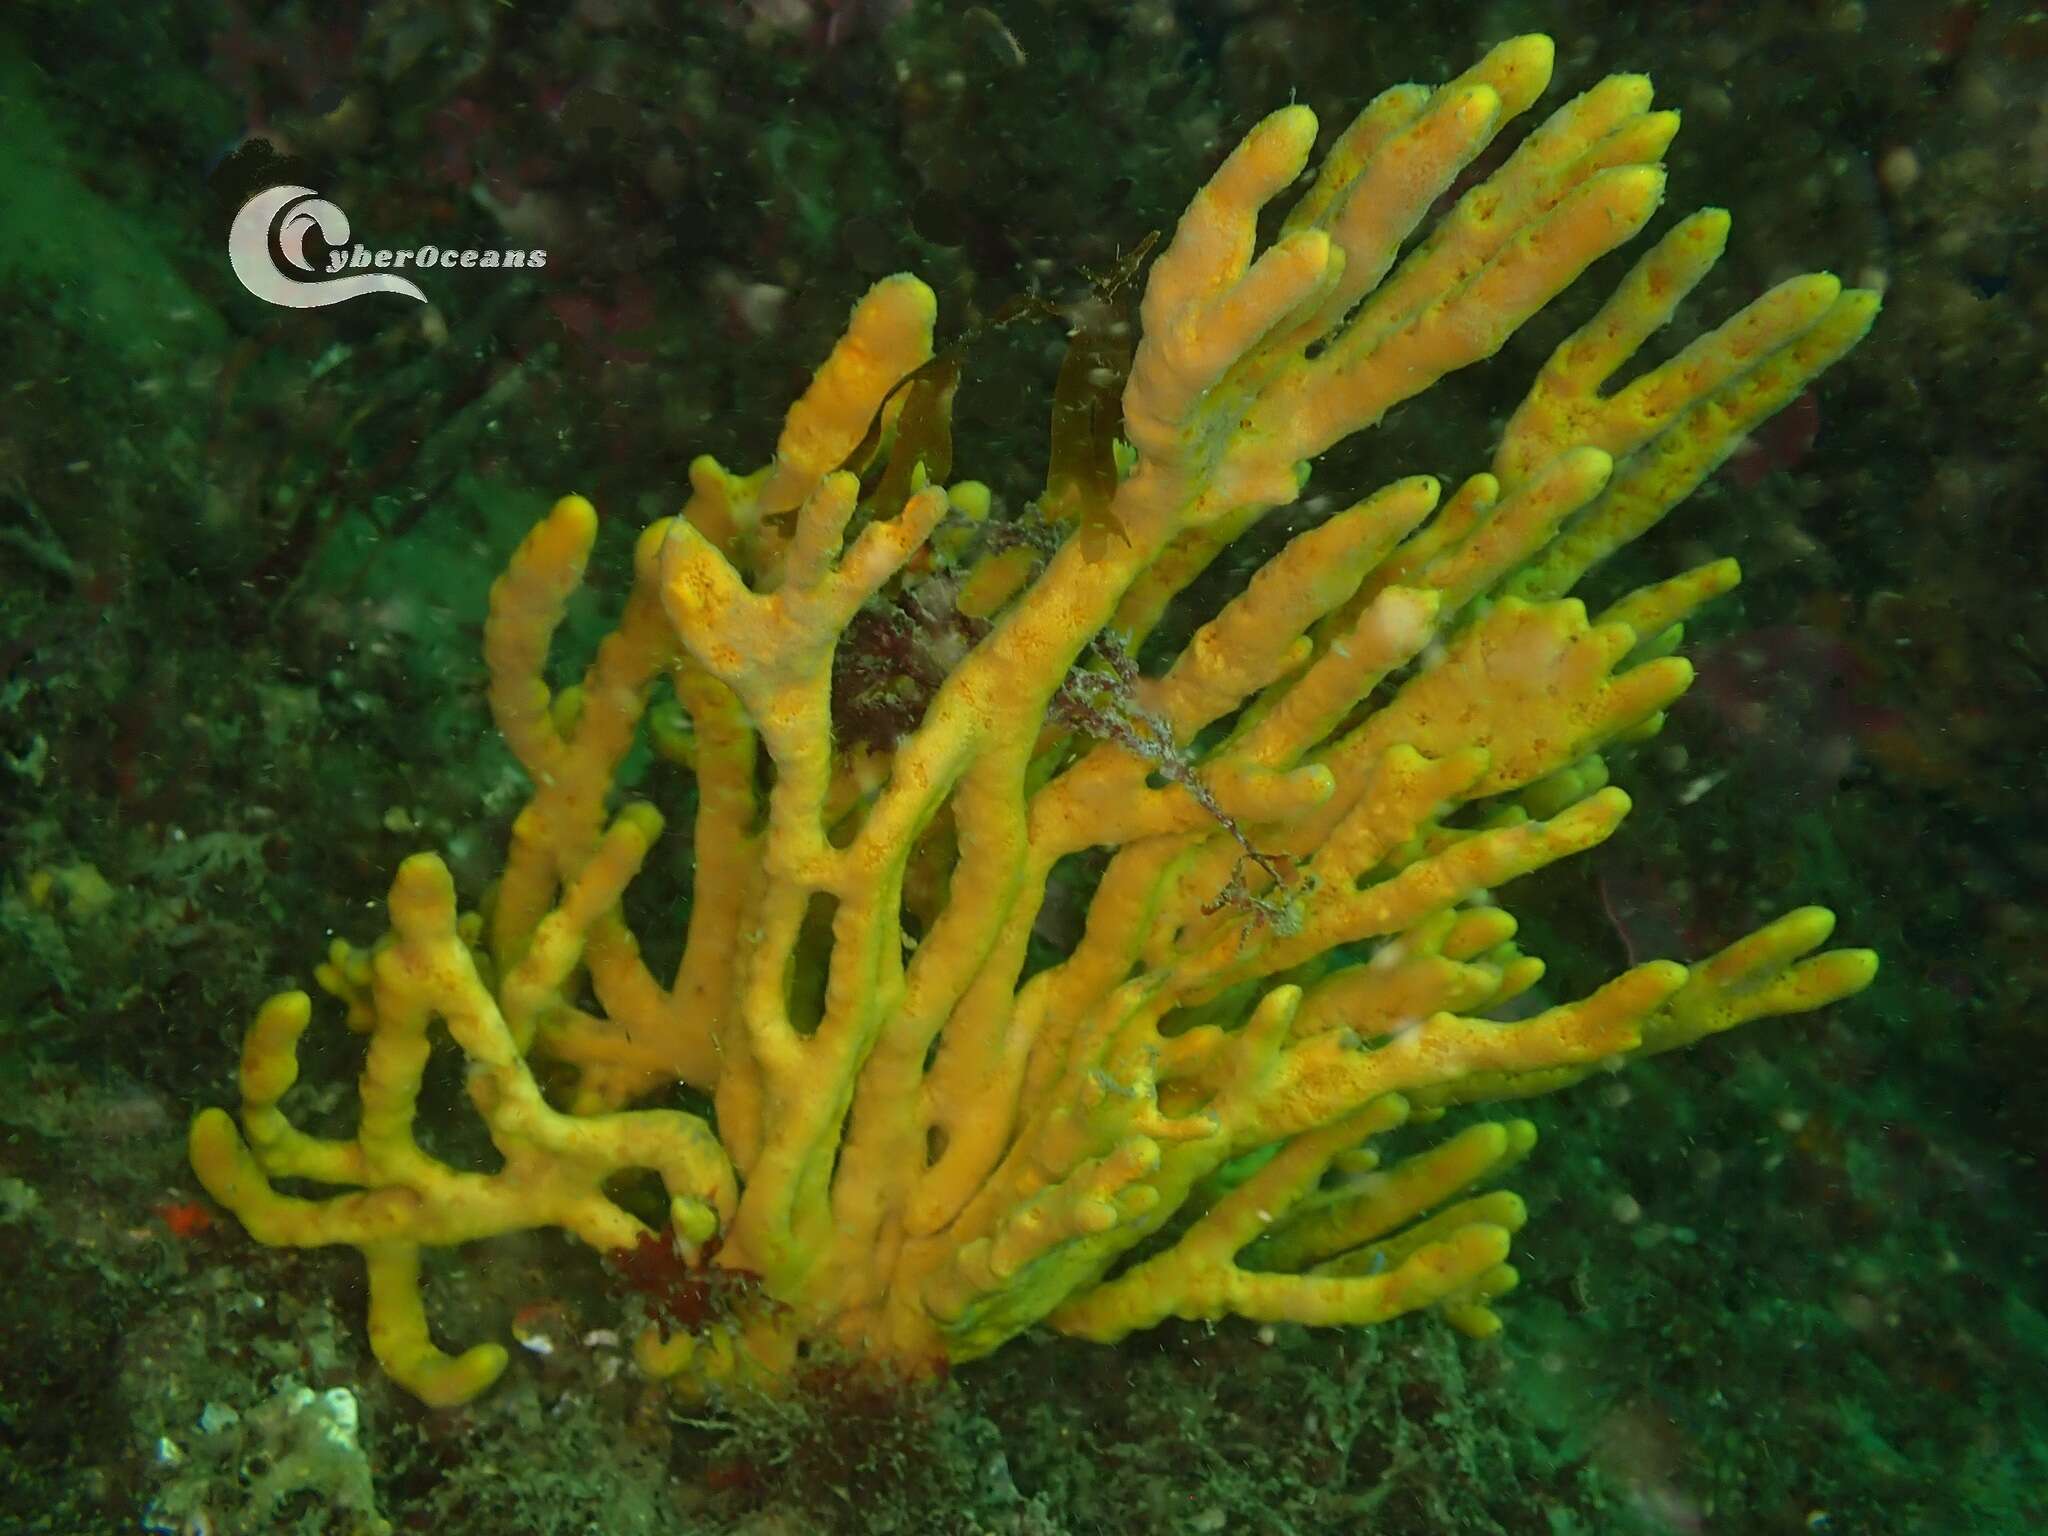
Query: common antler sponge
928	1135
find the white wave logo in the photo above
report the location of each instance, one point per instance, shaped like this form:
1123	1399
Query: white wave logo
291	213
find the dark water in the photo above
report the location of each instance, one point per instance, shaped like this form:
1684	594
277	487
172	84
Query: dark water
1786	1280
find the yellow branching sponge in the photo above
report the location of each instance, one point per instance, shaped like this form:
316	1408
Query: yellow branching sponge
932	1133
